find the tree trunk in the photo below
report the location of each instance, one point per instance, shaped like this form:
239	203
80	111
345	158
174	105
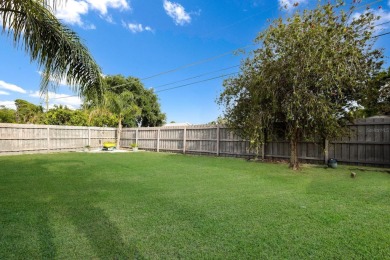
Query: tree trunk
118	134
294	163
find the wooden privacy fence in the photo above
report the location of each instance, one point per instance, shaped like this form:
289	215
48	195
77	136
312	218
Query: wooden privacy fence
368	141
15	138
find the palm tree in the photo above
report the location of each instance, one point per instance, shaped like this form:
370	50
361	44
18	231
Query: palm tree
123	105
56	48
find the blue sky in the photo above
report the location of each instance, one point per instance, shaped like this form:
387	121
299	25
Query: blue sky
144	38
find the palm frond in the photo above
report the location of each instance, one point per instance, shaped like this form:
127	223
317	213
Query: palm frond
57	49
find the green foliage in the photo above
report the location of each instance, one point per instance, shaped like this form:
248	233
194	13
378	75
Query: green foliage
305	76
376	97
60	115
57	49
101	117
123	106
28	113
220	121
166	206
7	115
145	99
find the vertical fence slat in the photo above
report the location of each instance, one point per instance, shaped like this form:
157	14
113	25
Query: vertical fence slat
184	139
158	140
48	139
218	139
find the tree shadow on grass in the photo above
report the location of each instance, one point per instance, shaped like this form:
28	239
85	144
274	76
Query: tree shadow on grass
102	234
46	236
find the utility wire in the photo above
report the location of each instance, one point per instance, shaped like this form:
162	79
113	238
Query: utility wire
209	59
189	84
198	62
370	3
196	82
376	25
239	21
64	97
379	35
197	76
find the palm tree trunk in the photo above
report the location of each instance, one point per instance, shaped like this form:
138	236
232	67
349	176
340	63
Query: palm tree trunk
118	133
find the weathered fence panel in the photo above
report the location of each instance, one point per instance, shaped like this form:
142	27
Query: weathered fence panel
368	141
16	139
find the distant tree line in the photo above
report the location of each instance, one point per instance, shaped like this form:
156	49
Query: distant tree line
126	102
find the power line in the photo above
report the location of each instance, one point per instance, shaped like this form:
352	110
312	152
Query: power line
196	82
376	25
212	58
370	3
64	97
198	62
189	84
239	21
193	83
379	35
197	76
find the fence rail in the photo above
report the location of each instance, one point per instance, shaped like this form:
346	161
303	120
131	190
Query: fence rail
368	141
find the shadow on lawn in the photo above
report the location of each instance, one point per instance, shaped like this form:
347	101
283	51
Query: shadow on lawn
103	236
45	235
54	181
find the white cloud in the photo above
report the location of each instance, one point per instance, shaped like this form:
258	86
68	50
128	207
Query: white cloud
8	104
71	11
137	28
108	19
71	101
11	87
289	4
177	12
103	5
4	93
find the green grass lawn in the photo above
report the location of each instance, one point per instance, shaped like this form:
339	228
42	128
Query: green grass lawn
149	205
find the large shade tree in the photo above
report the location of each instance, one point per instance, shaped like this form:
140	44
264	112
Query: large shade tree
145	99
304	76
56	48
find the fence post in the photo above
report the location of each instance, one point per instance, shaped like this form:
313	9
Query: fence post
263	150
48	138
136	136
89	136
326	151
218	140
158	140
184	139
